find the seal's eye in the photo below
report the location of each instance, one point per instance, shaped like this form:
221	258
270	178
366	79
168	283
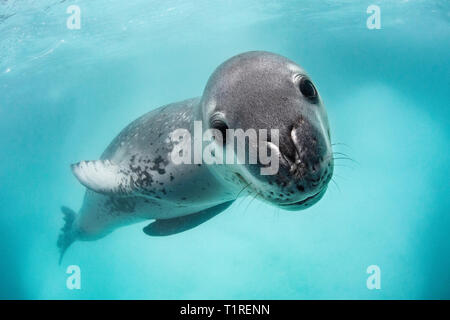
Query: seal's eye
308	90
220	125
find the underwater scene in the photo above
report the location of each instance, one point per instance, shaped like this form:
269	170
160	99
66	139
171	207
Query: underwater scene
95	206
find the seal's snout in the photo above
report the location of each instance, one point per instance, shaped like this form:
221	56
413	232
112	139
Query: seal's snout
309	149
310	162
306	147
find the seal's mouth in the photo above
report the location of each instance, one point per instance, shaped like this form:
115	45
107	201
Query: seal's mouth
302	201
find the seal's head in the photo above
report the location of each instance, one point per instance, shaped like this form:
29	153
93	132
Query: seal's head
261	90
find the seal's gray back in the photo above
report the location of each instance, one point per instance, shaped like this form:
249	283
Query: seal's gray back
147	135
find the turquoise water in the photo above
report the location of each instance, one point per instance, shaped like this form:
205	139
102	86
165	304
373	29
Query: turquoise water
64	94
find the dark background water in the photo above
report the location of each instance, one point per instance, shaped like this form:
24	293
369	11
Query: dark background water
64	94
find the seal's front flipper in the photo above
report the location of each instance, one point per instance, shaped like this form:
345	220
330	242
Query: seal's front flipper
166	227
103	176
68	233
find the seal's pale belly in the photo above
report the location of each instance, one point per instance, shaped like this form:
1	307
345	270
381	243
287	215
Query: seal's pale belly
102	214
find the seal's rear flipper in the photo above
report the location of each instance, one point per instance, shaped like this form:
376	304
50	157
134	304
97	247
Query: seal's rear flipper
68	234
103	176
166	227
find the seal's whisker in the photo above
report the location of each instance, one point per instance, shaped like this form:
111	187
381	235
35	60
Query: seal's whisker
241	201
342	157
247	199
259	203
337	186
341	144
255	194
245	187
342	154
345	158
239	193
276	212
344	165
339	176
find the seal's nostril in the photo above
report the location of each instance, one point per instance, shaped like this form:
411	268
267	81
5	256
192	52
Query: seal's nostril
289	158
296	143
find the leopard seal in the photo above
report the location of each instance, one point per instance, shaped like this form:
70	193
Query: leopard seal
135	178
